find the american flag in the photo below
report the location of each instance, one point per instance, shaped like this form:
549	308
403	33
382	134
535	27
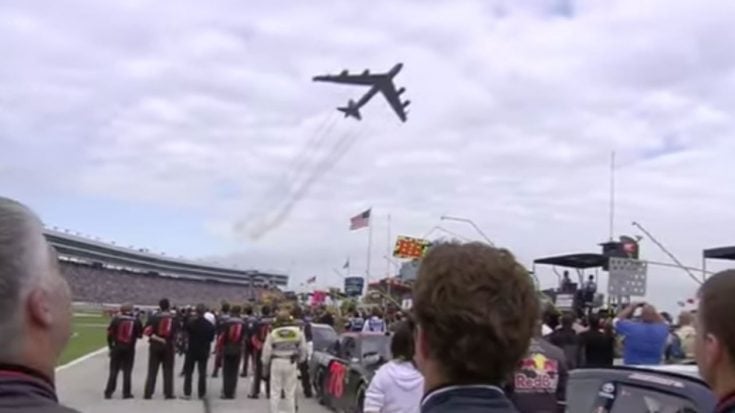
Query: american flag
360	221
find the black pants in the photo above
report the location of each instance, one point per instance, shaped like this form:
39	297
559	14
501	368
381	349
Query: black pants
200	361
120	359
164	357
187	356
258	377
246	358
305	382
217	363
230	367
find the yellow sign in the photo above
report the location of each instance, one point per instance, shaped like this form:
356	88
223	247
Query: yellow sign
408	247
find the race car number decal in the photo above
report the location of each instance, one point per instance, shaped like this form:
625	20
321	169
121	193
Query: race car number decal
337	372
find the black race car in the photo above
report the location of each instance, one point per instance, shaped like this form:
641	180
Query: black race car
638	389
323	336
342	373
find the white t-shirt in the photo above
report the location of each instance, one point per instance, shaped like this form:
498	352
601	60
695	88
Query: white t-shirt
210	317
397	387
374	324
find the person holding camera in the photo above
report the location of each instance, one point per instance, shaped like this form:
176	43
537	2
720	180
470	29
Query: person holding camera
645	337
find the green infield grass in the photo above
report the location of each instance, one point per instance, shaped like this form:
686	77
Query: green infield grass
89	333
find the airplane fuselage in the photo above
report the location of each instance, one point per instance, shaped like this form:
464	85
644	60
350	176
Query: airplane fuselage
383	83
394	71
377	83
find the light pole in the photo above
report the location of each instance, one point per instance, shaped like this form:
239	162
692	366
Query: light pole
392	262
440	228
469	221
388	280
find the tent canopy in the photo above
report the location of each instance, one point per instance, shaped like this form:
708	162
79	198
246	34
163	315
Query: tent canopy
720	253
579	261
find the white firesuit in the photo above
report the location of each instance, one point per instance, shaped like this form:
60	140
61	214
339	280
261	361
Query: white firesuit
284	348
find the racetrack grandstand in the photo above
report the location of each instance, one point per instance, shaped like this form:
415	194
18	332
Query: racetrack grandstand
104	273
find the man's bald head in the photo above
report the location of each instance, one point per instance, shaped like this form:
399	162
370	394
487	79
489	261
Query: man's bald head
686	318
649	314
34	298
20	265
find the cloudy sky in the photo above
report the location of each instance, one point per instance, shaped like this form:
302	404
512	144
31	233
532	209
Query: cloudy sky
194	128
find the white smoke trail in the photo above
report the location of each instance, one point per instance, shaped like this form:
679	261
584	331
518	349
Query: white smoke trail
295	168
299	178
278	215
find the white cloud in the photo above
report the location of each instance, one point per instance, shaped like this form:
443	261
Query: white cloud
516	106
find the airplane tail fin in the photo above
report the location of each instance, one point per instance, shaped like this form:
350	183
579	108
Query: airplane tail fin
351	110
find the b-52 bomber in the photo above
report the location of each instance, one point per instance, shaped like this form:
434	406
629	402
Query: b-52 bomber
382	82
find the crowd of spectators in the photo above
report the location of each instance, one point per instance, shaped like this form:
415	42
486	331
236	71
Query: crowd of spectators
638	335
108	286
476	327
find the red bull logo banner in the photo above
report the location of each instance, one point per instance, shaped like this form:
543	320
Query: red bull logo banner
630	247
537	374
408	247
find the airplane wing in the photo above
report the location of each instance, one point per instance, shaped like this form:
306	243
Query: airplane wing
364	79
394	99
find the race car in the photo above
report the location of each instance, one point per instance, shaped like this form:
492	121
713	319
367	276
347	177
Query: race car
323	336
647	389
342	373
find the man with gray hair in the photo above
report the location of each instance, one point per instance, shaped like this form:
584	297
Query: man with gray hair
35	313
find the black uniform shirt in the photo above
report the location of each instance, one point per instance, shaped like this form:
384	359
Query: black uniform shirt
124	330
233	335
598	348
260	332
567	340
250	322
201	333
163	324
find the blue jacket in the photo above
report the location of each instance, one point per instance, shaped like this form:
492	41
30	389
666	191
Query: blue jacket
467	399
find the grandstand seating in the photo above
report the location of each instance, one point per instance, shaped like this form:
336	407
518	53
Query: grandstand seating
102	285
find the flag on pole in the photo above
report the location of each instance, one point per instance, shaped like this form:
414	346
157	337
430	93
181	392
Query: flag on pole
347	264
311	280
360	221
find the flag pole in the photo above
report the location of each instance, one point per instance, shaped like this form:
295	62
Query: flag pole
387	262
387	251
612	195
369	249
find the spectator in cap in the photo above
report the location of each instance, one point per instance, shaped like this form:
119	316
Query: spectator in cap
35	313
